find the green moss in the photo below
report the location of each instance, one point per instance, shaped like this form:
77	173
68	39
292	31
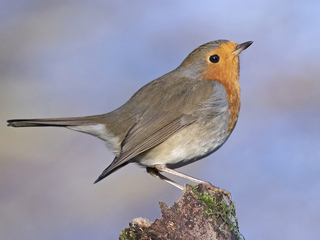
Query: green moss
219	209
127	234
123	235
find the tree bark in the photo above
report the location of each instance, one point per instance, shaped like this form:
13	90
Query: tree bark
201	213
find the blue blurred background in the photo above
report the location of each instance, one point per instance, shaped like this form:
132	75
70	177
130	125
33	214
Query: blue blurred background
77	58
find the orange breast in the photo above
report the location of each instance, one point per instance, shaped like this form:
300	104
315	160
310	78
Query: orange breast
227	73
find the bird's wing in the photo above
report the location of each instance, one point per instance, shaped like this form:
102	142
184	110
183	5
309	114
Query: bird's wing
149	132
170	110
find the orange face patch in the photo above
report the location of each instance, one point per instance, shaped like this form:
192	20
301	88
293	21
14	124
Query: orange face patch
226	71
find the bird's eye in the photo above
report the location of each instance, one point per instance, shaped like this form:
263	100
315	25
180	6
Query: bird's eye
214	58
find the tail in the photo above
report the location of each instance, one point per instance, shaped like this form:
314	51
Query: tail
56	122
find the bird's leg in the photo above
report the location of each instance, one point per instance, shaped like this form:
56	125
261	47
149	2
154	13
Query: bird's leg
192	179
179	174
155	173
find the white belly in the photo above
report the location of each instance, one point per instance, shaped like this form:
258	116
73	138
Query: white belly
188	145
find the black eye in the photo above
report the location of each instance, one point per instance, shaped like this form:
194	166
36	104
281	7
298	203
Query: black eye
214	58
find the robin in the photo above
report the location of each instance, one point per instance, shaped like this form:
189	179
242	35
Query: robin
176	119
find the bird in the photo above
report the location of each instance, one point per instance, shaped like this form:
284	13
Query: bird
174	120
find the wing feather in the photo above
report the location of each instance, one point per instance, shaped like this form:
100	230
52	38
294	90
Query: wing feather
146	134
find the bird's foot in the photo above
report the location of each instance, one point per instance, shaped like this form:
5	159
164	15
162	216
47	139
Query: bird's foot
224	192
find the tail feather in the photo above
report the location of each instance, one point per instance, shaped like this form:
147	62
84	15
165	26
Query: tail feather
94	125
53	122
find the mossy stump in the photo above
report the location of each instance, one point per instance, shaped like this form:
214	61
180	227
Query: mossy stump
199	214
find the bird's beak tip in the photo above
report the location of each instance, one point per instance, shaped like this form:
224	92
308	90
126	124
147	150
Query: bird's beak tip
242	46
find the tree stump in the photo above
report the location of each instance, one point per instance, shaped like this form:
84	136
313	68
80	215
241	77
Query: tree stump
201	213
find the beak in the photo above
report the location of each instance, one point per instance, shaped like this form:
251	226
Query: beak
241	47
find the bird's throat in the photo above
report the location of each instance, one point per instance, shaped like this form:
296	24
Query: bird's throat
230	80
